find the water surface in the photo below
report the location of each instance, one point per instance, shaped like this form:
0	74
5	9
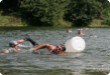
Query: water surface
94	60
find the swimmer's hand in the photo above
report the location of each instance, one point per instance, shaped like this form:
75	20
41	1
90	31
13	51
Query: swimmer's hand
34	51
18	50
50	52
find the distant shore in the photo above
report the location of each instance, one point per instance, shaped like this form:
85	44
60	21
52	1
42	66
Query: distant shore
13	22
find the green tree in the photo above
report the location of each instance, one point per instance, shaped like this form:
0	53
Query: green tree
47	12
81	13
9	5
56	12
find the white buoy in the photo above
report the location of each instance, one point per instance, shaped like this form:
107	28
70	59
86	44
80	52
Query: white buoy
0	0
1	74
75	44
109	74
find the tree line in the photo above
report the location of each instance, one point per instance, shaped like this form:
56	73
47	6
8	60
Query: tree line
56	12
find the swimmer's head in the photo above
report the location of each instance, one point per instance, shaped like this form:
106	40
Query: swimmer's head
61	47
12	44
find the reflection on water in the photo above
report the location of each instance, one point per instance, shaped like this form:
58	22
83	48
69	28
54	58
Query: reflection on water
93	61
53	72
71	55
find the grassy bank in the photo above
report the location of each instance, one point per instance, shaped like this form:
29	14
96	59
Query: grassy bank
32	28
98	24
10	21
17	23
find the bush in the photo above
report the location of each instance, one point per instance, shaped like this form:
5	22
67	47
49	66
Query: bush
106	22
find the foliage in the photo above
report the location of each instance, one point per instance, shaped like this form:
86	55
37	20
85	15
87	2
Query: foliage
47	12
11	21
9	5
106	21
82	12
56	12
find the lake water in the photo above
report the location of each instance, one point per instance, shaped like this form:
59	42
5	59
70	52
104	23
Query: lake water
94	60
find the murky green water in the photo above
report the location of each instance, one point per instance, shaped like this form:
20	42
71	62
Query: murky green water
95	60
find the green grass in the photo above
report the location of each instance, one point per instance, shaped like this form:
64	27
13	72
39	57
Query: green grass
98	24
17	23
11	21
6	21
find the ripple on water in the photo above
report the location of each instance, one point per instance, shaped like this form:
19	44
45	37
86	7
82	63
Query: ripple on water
93	61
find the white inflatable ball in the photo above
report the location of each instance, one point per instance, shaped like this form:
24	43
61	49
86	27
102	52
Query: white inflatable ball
0	0
1	74
75	44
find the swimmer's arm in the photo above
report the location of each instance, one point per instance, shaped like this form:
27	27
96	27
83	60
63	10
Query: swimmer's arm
38	47
50	51
20	41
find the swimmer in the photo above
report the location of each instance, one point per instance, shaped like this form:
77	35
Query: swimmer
51	48
69	30
80	32
92	36
15	46
15	43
